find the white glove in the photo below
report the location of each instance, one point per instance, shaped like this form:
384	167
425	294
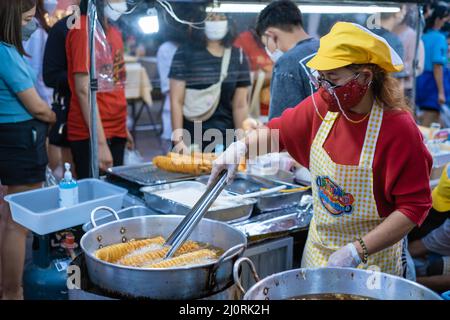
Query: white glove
345	257
228	160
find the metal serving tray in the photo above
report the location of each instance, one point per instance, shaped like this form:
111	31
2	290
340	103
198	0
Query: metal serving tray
146	174
247	183
242	210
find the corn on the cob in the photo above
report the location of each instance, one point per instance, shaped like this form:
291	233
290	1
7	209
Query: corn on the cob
114	252
184	259
152	256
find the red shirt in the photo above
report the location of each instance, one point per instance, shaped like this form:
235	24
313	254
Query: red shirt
259	60
402	163
112	105
257	56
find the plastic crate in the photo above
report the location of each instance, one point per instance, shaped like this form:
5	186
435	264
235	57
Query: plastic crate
39	210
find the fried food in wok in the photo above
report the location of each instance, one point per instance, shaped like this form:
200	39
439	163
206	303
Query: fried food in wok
114	252
149	253
196	257
154	253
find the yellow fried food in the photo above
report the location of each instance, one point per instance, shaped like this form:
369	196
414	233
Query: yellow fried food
182	164
195	156
196	163
150	256
114	252
184	259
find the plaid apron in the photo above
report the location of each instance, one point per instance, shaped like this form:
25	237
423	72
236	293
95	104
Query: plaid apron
344	203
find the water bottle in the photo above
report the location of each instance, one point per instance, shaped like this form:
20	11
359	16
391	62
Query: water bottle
68	189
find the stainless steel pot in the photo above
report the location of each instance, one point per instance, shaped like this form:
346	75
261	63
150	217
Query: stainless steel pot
87	291
134	211
173	283
302	282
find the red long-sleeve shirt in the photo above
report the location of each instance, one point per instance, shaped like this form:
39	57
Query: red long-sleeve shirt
402	163
112	105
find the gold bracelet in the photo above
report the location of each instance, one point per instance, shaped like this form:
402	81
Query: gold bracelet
365	251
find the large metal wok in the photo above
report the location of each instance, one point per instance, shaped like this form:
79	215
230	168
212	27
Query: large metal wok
300	283
173	283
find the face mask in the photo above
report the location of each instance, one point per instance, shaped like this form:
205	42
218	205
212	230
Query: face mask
345	97
28	30
216	30
275	56
113	11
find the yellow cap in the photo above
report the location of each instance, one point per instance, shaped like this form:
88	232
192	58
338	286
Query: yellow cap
441	194
349	43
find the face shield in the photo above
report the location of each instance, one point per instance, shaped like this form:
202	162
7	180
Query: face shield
314	83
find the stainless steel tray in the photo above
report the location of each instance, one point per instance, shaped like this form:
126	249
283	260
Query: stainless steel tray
273	224
241	210
146	174
246	183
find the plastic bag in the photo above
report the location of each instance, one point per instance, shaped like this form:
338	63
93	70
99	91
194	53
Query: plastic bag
50	179
132	157
109	66
271	163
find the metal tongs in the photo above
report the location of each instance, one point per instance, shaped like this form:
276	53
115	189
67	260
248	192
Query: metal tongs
188	224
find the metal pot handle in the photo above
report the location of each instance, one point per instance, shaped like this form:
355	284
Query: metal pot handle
236	269
110	210
237	249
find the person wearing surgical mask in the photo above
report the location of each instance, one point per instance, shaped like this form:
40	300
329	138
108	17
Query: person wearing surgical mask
112	131
24	121
197	65
370	170
280	25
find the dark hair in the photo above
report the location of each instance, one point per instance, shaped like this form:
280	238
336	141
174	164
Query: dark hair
172	30
11	21
199	37
281	14
440	10
100	11
40	15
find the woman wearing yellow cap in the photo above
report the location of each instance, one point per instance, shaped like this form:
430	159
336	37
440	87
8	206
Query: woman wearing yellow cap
370	169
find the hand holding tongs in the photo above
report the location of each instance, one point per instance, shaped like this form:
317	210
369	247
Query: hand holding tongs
188	224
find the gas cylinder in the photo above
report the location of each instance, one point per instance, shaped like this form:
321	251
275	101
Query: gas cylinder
46	276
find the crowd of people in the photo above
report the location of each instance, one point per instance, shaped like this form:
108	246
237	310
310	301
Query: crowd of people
213	79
